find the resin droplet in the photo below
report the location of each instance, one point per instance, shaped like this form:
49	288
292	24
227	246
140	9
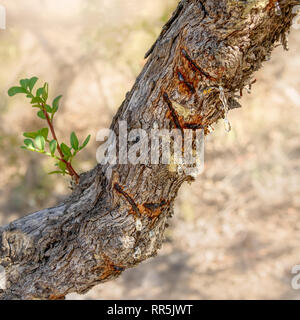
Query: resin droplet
227	125
222	96
138	225
277	8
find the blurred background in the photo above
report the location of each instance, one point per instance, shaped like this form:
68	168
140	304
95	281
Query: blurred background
236	230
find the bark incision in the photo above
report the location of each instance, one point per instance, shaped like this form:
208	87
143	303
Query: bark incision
113	222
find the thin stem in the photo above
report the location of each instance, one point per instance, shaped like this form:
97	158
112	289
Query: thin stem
71	170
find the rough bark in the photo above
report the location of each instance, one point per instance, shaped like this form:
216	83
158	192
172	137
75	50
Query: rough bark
110	224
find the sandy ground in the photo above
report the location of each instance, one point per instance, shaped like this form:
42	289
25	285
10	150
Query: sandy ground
235	233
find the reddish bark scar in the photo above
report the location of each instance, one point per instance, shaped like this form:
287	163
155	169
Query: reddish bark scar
271	4
120	190
178	121
195	66
109	268
153	210
182	79
173	112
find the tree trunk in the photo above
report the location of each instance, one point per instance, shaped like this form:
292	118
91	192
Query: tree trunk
205	55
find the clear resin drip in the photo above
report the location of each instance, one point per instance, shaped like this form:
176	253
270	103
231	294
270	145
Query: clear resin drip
277	9
227	124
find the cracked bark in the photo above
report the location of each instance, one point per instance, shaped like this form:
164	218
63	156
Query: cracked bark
109	224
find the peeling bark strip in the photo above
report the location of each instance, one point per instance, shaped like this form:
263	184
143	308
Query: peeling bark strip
92	237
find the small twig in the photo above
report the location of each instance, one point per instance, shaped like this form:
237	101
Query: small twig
71	170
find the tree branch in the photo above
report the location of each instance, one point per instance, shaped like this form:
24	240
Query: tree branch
111	223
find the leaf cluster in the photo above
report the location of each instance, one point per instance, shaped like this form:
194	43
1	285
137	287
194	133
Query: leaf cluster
39	140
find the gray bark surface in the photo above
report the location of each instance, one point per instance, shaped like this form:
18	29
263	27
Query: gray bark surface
109	224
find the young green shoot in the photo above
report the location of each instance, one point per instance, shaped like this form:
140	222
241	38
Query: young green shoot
39	141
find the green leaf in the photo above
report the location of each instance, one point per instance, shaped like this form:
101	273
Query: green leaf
86	141
32	135
45	91
48	108
32	82
29	144
62	166
66	150
37	100
40	142
14	90
74	141
53	146
44	132
39	92
56	172
24	83
55	103
41	115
